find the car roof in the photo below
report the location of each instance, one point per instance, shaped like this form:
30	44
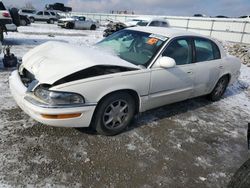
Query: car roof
167	32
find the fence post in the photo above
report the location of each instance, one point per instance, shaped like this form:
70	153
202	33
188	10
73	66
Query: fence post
243	32
187	24
212	28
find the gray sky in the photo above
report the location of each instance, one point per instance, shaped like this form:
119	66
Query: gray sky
163	7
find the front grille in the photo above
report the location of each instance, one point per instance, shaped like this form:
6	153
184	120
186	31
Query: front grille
27	77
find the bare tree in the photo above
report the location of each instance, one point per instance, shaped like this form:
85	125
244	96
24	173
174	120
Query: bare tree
29	5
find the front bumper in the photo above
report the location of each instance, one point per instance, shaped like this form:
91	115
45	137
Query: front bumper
18	91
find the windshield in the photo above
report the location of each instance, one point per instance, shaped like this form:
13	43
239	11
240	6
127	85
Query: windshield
135	47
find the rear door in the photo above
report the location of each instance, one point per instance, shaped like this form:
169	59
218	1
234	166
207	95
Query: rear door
39	16
47	16
207	65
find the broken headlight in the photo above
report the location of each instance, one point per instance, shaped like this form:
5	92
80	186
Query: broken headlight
58	98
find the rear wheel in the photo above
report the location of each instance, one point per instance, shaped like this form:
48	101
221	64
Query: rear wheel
51	21
114	113
93	27
219	89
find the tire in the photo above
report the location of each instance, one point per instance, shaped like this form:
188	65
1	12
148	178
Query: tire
69	25
241	178
15	16
51	21
23	23
219	89
32	19
114	113
93	27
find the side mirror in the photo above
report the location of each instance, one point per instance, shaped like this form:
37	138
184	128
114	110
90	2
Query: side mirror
167	62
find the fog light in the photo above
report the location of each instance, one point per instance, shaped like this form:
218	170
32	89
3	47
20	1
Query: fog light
61	116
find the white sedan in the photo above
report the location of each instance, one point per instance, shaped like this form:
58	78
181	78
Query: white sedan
78	22
131	71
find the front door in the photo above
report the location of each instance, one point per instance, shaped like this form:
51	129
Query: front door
174	84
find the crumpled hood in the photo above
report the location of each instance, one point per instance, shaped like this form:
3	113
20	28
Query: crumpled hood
52	61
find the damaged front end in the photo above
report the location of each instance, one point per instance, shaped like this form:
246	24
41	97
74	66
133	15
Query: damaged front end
40	94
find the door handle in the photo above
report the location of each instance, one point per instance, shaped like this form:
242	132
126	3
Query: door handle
190	72
221	67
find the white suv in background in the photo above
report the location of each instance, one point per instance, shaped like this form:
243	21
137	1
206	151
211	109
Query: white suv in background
146	21
245	17
46	16
6	22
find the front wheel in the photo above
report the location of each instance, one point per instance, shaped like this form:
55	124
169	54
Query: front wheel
114	114
32	20
219	89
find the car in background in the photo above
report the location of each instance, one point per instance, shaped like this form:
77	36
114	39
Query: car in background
27	12
247	17
221	16
78	22
199	15
45	16
58	7
131	71
6	21
144	21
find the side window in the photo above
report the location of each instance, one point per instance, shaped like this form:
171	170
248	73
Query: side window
46	14
216	51
164	24
40	13
82	18
206	50
155	23
180	50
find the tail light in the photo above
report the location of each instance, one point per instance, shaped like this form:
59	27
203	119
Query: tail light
6	14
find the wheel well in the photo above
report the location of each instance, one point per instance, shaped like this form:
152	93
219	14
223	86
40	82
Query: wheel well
228	76
93	25
131	92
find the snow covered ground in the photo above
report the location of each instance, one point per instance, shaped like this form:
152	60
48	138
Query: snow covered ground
194	143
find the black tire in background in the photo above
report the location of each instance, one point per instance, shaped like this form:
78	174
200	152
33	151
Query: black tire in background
23	22
123	108
241	178
32	19
51	21
93	27
15	16
70	25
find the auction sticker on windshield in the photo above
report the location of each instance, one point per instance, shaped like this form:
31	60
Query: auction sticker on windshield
158	37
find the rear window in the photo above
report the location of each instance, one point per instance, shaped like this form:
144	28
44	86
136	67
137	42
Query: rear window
2	7
29	11
206	50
